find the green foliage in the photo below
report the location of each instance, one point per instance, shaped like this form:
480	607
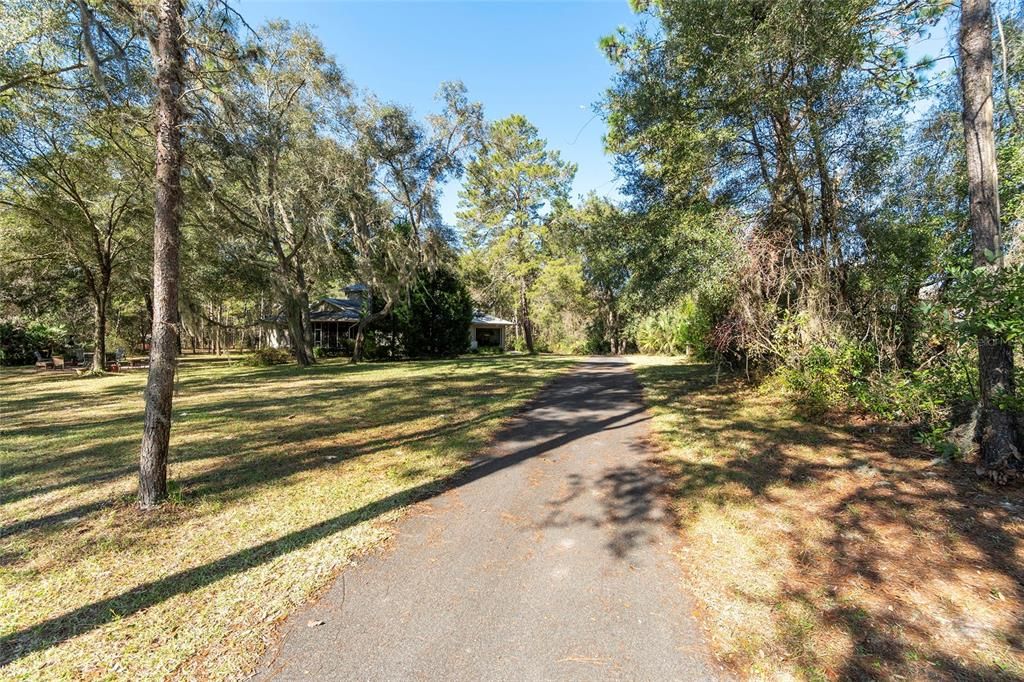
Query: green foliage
267	357
517	344
434	322
935	437
845	215
19	341
562	305
844	375
821	379
512	187
989	303
681	329
343	349
487	350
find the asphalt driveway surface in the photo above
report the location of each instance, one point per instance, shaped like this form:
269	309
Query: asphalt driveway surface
550	558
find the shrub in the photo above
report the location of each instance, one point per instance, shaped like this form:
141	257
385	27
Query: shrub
19	341
267	357
343	350
378	346
826	377
487	350
846	375
683	328
435	321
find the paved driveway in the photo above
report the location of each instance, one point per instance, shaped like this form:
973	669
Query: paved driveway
550	559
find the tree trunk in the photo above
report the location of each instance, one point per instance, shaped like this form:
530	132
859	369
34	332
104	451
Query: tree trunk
997	434
166	263
524	316
829	208
785	150
299	327
357	346
611	333
99	338
364	322
147	337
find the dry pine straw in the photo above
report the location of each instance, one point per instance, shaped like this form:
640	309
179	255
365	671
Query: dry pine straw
835	551
280	476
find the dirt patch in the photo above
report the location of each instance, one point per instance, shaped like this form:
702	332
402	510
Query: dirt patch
835	551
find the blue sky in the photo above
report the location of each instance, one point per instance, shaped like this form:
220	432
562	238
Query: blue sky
536	58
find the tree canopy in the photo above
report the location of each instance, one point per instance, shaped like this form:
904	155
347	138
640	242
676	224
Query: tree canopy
804	198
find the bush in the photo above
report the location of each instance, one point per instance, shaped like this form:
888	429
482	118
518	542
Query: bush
826	377
19	341
682	329
344	350
846	375
435	321
267	357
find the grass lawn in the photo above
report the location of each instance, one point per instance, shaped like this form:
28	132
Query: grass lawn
280	476
835	551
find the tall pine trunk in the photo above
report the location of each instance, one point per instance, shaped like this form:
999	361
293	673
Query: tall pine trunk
998	437
524	316
166	263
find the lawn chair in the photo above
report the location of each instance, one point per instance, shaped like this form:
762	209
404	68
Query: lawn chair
43	362
58	361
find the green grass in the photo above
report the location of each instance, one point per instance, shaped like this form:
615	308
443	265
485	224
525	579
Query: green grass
279	475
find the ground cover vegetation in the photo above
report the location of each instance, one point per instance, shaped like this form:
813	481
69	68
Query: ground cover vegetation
833	550
273	491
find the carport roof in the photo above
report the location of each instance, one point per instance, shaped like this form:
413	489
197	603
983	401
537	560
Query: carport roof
485	319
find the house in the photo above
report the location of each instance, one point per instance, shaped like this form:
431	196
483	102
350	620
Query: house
335	319
334	322
487	331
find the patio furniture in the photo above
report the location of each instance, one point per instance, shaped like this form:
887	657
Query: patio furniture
42	361
58	361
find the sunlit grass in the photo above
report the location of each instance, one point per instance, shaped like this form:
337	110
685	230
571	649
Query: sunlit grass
834	551
279	476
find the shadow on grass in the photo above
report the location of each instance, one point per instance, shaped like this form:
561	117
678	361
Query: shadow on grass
878	489
263	461
111	440
582	407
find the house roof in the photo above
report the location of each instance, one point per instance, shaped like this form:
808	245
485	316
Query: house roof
337	310
484	318
349	309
